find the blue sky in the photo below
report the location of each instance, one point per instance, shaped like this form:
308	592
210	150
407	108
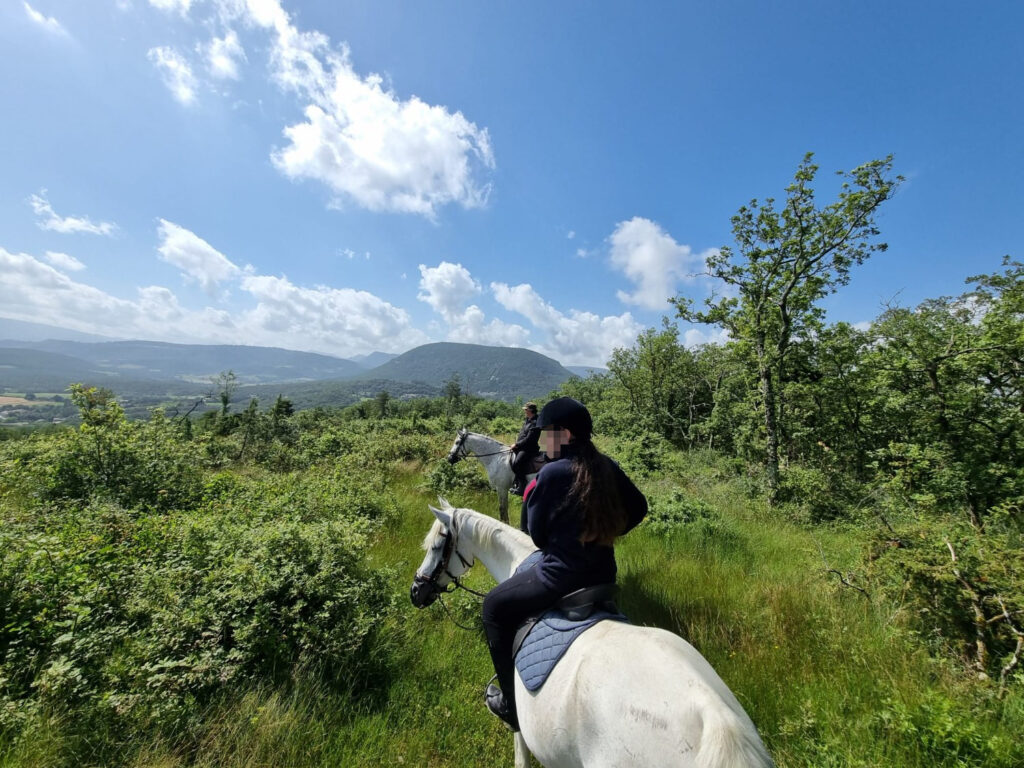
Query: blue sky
360	176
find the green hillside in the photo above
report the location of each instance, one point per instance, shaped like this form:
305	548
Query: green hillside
501	373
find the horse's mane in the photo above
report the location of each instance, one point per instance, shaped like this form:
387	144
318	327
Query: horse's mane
489	531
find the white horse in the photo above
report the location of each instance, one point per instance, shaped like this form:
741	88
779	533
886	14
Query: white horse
622	695
494	455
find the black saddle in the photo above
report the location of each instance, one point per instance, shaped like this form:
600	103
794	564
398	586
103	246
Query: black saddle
576	606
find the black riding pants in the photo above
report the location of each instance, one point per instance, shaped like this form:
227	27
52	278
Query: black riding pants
522	464
506	607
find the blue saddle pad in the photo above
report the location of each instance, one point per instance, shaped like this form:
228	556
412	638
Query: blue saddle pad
550	638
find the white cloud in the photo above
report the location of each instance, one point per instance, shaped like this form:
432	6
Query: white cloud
48	23
361	140
653	261
176	73
64	261
66	224
34	291
333	321
694	337
578	338
196	258
572	234
223	56
344	320
447	288
171	6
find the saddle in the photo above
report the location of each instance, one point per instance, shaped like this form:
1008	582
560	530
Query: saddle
577	606
542	640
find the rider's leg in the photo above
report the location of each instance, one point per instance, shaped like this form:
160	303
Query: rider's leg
505	608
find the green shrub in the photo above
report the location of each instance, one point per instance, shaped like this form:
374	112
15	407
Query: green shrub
130	463
443	478
679	508
641	454
140	620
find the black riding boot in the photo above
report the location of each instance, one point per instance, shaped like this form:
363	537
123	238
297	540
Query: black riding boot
504	708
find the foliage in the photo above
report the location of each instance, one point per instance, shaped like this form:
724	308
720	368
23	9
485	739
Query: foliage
677	509
784	263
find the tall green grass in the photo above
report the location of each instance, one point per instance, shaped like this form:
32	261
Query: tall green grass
830	676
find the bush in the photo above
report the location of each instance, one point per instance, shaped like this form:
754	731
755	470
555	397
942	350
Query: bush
132	464
140	620
641	454
443	478
678	509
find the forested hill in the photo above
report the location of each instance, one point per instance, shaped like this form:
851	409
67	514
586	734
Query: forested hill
502	373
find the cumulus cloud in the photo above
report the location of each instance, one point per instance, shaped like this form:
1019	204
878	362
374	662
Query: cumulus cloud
64	261
34	291
49	220
48	23
176	73
341	322
576	338
223	56
196	258
360	139
652	260
447	288
326	318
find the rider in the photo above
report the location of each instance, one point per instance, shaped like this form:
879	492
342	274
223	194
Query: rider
581	503
526	448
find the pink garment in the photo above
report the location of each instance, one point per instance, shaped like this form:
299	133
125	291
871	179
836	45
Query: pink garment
526	493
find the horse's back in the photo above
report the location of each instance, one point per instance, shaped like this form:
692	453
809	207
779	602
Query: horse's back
637	696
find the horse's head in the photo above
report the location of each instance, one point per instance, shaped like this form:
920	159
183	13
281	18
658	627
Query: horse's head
443	563
458	450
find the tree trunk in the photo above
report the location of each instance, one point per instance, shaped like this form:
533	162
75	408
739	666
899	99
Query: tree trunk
771	429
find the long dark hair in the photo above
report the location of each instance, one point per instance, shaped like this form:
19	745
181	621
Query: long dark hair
595	493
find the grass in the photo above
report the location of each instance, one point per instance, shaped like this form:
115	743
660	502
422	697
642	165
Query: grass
831	677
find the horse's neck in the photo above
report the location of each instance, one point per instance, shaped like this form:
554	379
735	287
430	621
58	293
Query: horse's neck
500	547
483	446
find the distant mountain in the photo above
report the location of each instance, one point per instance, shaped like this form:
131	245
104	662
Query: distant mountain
373	359
154	360
19	330
502	373
584	371
33	370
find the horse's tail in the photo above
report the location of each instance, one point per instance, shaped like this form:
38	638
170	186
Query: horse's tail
730	740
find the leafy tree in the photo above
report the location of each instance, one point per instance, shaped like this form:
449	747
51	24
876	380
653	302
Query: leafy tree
663	384
224	386
382	401
785	261
949	384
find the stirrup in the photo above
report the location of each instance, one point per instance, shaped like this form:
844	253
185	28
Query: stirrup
498	705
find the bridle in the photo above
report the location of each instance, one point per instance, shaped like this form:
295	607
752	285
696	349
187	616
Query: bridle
425	589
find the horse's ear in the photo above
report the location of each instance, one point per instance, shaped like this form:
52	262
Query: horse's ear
445	504
462	431
442	515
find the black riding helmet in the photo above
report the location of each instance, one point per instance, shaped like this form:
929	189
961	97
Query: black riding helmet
567	413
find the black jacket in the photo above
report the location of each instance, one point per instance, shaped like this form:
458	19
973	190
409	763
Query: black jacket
566	564
529	437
